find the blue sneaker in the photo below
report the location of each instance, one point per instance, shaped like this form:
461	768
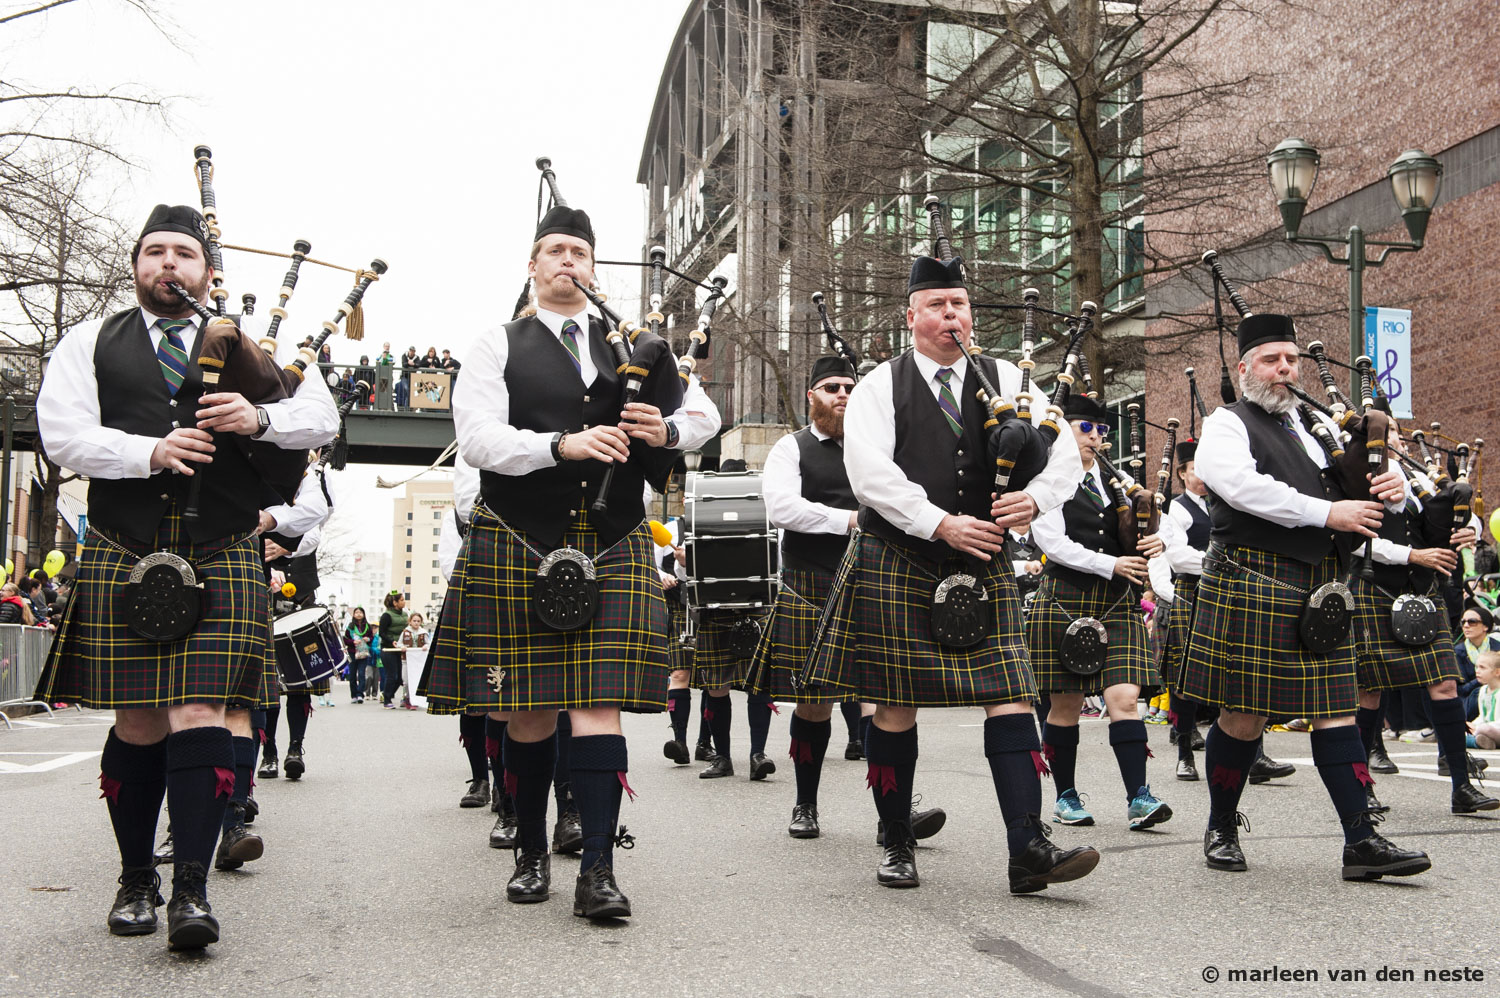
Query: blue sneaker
1069	810
1146	810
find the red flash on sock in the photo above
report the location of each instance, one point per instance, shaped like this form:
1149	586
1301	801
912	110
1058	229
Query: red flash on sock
708	715
110	788
1172	718
492	748
625	783
225	785
882	778
510	783
1223	776
1049	752
774	709
1150	754
801	751
309	708
1040	763
1362	774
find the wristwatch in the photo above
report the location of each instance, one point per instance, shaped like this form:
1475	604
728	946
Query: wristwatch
673	435
264	419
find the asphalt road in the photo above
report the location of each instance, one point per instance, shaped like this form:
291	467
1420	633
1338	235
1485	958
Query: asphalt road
375	882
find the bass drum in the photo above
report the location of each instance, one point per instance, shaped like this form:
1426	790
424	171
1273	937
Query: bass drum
308	648
732	551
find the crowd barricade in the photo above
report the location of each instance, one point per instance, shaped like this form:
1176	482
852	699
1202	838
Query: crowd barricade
23	652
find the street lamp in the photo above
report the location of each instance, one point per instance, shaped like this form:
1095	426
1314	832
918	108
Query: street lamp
1415	180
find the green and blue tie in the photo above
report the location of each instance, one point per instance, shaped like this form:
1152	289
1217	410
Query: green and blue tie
570	333
948	403
1092	489
171	353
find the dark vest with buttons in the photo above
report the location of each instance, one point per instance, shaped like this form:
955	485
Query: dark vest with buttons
1404	527
133	397
1277	454
546	395
1198	534
1095	527
824	480
954	471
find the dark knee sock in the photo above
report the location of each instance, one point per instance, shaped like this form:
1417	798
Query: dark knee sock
1449	722
133	781
719	711
1015	758
703	726
471	737
892	756
528	774
494	741
273	715
562	774
1128	739
809	745
599	767
244	776
200	778
679	707
1228	760
850	710
865	723
1060	750
298	709
1185	723
758	712
1339	754
1367	719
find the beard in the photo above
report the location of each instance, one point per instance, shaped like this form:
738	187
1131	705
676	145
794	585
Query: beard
165	302
828	420
1265	395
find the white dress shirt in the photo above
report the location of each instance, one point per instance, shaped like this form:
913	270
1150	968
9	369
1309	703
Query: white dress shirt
1160	578
781	484
1051	534
870	445
1180	556
309	509
68	414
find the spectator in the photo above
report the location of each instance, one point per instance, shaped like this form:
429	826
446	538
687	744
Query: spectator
1487	720
348	381
1477	639
448	363
325	355
366	373
14	609
414	640
385	354
306	342
431	362
31	591
359	642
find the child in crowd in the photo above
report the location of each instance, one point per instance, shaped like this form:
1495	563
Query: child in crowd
1486	725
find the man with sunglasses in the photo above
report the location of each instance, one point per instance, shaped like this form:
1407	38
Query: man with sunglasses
1091	574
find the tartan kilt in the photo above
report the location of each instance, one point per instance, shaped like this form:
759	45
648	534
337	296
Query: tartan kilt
98	662
783	648
1057	604
445	654
877	644
1175	628
679	655
489	633
1244	652
1382	662
714	664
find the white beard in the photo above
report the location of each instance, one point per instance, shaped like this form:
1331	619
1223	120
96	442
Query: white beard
1264	394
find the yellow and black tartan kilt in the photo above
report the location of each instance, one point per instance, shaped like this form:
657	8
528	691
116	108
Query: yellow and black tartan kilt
1244	652
783	647
498	656
1382	662
1058	603
679	655
98	662
446	648
715	662
877	643
1174	628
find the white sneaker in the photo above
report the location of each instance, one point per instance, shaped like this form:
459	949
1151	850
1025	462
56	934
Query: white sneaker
1411	737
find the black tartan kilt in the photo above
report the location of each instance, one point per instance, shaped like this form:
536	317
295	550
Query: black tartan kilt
1057	604
715	665
783	647
679	655
488	632
96	661
1382	662
1244	652
878	645
1173	629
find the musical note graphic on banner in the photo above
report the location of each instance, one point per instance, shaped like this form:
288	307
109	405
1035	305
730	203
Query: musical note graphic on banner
1389	384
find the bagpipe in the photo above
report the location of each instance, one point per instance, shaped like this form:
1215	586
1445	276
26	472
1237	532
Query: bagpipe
836	343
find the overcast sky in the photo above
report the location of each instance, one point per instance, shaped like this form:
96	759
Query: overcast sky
406	131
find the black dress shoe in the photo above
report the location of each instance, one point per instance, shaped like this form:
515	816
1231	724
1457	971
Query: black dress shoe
924	824
717	767
532	880
503	835
1265	768
855	750
804	822
166	852
293	764
190	920
898	867
760	766
1221	845
252	809
1469	799
567	834
1476	766
134	910
596	894
1198	743
1380	761
267	770
703	752
478	794
497	791
1187	770
1377	856
237	844
1372	803
1042	863
676	751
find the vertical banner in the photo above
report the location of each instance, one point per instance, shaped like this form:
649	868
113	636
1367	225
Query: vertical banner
83	529
1388	345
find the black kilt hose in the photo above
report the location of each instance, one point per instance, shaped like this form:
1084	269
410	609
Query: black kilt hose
1115	605
1175	628
1244	652
1382	662
877	642
716	661
490	636
788	635
98	662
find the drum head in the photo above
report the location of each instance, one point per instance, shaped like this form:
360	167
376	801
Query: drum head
288	623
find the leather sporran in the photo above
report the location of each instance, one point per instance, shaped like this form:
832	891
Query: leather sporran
1326	617
163	598
744	637
1416	620
1084	647
565	595
960	611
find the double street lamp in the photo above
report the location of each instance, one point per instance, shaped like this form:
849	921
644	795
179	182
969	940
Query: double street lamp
1415	180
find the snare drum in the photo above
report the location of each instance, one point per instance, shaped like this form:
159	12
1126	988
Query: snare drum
732	550
308	648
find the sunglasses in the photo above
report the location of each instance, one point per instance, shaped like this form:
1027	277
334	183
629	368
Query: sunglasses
1084	426
834	388
1471	620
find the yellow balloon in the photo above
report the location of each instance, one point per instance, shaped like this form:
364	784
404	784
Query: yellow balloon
54	561
10	566
661	534
1494	524
4	577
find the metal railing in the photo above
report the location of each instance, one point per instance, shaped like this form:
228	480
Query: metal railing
23	652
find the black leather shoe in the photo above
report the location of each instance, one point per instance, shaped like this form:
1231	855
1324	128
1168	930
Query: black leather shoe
924	824
717	767
503	835
1476	766
497	790
703	752
677	752
190	921
760	766
898	867
166	852
1469	799
1221	845
237	844
267	770
596	894
804	822
1372	803
1042	863
1377	856
1187	770
532	880
134	910
293	764
567	834
252	809
1380	761
477	796
855	750
1198	743
1265	768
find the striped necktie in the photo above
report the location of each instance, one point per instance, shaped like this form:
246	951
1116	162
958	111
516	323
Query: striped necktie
1092	489
1286	424
948	403
170	353
570	340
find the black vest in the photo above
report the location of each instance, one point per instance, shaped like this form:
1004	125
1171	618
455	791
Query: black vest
824	480
955	472
1198	533
1095	527
133	397
547	396
1404	528
1277	454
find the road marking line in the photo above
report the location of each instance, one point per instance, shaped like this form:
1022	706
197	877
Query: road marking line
12	768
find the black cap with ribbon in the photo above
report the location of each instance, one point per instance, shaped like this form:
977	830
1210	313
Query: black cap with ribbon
830	367
1187	450
930	272
1083	407
1264	328
562	220
178	218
